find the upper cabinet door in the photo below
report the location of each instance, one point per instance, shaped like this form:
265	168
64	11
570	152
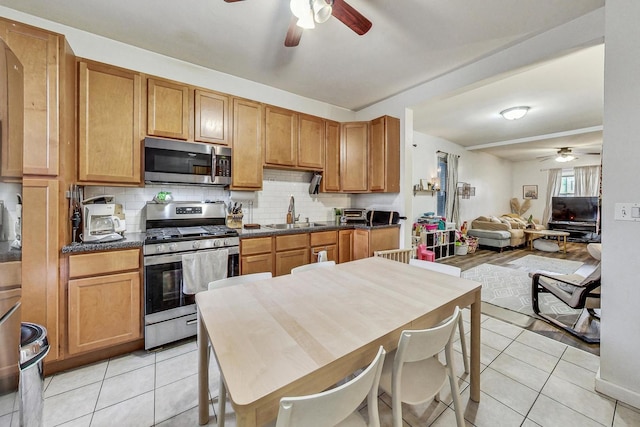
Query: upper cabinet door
331	176
109	137
212	117
354	157
246	169
168	109
311	141
39	53
384	155
281	137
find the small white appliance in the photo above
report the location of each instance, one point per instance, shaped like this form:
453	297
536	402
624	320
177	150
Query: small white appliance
100	224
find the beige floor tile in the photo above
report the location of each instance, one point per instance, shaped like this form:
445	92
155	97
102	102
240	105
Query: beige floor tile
542	343
176	397
416	415
176	350
626	416
447	419
520	371
69	380
137	411
507	391
129	362
188	418
588	403
582	358
539	359
575	374
549	413
493	340
489	412
5	420
529	423
7	403
176	368
503	328
70	405
84	421
125	386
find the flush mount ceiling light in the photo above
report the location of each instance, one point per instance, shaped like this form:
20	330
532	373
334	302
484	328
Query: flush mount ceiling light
310	12
514	113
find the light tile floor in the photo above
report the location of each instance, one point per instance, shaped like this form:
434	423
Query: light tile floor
527	380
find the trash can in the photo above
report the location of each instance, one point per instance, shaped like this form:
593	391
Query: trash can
34	346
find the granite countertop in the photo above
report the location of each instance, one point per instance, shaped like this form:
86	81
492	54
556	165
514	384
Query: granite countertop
8	254
326	226
131	240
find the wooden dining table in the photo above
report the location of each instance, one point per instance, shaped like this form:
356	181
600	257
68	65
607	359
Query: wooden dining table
301	333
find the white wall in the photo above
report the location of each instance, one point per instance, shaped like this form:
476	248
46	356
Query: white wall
620	330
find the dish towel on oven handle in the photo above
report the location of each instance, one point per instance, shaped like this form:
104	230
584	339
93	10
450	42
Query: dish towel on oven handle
200	268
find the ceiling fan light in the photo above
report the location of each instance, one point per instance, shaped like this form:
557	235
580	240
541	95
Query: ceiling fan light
299	8
306	21
321	11
514	113
565	158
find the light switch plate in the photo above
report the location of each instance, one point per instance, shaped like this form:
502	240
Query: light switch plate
627	212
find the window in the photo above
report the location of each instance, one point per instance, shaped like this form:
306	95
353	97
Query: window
441	196
568	183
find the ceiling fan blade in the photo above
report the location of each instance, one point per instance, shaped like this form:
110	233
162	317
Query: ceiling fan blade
294	33
350	17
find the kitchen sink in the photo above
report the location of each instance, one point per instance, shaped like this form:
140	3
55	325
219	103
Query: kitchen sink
296	225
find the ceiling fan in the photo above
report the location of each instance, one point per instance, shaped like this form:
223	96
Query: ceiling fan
319	11
565	154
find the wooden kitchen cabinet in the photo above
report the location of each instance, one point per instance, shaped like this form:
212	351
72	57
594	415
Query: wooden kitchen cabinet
324	241
246	169
109	117
331	172
256	255
365	242
354	156
345	246
291	251
280	137
42	55
104	302
384	155
311	141
11	119
168	113
211	117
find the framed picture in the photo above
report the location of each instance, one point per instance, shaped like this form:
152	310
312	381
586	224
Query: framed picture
530	191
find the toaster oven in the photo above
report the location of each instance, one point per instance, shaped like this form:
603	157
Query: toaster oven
354	215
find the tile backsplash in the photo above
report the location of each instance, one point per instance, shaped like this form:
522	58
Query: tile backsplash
263	207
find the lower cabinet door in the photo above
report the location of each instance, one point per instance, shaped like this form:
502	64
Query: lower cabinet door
261	263
332	251
104	311
287	260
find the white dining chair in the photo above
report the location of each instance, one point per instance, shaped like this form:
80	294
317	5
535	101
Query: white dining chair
451	271
223	283
337	406
311	266
413	374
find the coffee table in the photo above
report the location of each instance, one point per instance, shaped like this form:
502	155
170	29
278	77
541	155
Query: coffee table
549	233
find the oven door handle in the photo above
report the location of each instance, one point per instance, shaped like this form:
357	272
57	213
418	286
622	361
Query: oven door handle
165	259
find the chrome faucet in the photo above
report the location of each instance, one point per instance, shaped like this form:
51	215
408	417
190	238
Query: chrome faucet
292	210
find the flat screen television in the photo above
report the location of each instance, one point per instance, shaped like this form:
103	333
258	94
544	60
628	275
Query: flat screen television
576	209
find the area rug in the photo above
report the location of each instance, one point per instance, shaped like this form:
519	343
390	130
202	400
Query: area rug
533	263
511	289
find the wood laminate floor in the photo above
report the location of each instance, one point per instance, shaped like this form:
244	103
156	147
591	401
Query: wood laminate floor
575	252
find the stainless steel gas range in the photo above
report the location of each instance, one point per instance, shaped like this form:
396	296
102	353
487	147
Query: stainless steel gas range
175	229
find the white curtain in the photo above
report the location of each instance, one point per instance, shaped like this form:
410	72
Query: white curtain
554	181
587	179
452	208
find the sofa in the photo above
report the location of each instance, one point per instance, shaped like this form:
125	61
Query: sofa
501	232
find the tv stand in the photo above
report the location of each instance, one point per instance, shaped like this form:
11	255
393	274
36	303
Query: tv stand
578	231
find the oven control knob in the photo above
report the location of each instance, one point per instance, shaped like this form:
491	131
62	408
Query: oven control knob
196	245
159	248
173	247
228	242
217	243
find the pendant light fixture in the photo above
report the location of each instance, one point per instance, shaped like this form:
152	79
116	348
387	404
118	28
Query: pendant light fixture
310	12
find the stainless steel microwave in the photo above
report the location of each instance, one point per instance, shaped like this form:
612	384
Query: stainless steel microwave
167	161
